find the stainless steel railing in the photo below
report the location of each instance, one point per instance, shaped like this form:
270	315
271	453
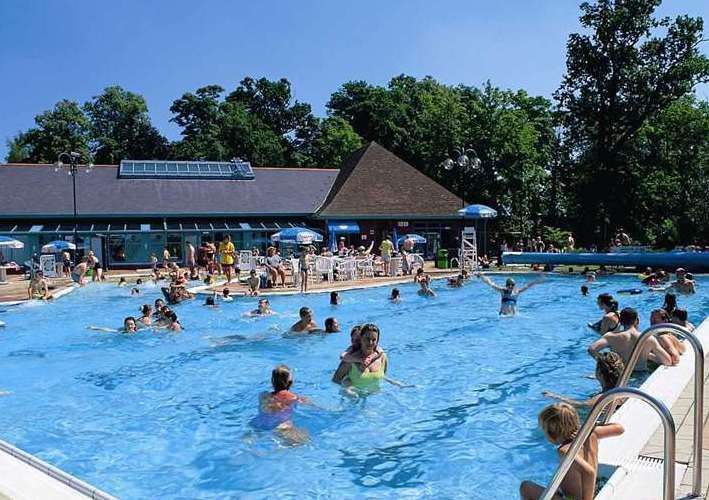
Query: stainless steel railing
668	482
644	338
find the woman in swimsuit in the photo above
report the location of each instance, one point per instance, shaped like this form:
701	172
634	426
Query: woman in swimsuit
508	293
610	321
366	367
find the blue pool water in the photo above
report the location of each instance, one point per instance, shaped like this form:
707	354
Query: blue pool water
161	415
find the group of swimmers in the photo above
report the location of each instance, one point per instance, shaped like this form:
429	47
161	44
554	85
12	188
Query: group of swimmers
560	422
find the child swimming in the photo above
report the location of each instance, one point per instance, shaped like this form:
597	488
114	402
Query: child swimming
226	295
129	326
276	408
560	423
395	295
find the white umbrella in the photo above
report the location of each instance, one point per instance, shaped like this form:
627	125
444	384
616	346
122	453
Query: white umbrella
58	246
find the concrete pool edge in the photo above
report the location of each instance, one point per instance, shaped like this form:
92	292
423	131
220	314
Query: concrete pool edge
24	475
632	478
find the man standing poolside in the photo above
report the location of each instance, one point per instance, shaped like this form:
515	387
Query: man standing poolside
190	256
227	251
385	250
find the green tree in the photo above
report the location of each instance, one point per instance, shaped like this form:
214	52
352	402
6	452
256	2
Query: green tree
329	145
199	114
423	121
61	129
121	128
628	67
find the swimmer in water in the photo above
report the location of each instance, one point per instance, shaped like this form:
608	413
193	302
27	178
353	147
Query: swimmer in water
509	293
157	308
332	325
226	295
210	301
122	282
129	326
146	317
173	324
425	290
263	309
334	299
395	295
134	291
584	290
306	324
139	281
456	281
365	367
590	277
276	408
609	368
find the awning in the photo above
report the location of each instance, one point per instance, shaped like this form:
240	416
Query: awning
343	227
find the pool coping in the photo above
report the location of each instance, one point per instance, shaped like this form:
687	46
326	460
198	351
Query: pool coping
28	469
641	423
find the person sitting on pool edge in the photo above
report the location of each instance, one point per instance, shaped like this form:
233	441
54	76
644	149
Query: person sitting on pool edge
306	324
560	423
332	325
276	407
365	367
624	341
509	293
253	282
38	287
609	368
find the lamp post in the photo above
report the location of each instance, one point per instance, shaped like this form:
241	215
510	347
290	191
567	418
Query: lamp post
465	159
72	169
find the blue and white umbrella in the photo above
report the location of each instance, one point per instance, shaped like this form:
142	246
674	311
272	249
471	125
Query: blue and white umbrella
297	235
478	212
416	237
7	242
58	246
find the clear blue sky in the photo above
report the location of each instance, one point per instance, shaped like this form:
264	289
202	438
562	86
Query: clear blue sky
56	49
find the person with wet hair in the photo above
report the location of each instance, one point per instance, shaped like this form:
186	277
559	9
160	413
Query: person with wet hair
509	293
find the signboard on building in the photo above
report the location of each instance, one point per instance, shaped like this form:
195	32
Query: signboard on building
47	264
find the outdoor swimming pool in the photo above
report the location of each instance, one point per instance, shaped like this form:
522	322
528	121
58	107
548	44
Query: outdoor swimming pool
161	415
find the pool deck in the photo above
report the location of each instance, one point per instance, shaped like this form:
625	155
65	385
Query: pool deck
683	414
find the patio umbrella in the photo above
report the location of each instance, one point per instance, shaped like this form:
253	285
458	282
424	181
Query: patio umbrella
416	237
7	242
297	235
58	246
478	212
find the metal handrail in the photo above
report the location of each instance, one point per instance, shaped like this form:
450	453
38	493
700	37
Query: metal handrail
668	482
653	331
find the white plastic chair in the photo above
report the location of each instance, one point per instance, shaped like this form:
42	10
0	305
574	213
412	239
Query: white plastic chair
415	261
324	266
347	269
366	267
295	269
395	266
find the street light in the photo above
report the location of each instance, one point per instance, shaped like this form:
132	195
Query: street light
72	169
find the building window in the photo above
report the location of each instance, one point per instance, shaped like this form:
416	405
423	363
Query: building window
174	245
117	248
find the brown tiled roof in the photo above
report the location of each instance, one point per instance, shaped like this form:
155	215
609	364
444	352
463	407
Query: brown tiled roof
376	184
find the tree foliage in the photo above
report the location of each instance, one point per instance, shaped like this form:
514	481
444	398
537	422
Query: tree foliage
628	67
120	127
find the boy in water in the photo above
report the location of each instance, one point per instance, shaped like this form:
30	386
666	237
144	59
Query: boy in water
263	309
584	290
307	323
623	343
560	423
276	408
425	290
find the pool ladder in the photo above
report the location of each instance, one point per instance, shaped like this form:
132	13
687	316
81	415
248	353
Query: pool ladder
611	397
